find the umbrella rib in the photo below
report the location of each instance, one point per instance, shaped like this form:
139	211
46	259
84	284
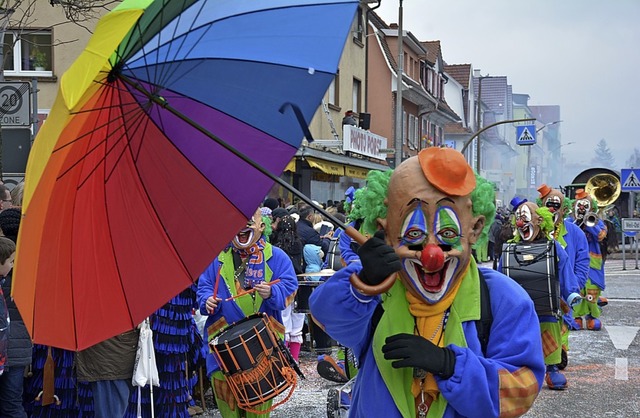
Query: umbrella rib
98	145
163	103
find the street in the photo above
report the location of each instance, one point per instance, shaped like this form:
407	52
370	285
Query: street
603	371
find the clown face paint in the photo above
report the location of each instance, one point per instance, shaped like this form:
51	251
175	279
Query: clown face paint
250	234
431	231
528	221
580	209
553	201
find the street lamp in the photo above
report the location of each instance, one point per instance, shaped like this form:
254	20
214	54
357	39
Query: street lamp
546	125
399	117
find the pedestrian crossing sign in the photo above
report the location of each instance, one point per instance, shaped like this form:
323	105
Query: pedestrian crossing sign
526	135
630	180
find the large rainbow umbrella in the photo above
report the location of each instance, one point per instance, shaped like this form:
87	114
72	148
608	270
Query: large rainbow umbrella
163	140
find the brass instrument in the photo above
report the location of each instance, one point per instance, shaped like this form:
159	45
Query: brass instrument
591	219
604	188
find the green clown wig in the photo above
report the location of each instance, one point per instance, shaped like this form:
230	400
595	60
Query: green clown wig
547	226
368	204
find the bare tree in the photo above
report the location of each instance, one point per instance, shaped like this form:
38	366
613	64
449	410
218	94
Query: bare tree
18	15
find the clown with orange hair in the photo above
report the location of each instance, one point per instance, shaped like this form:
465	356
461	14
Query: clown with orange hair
411	309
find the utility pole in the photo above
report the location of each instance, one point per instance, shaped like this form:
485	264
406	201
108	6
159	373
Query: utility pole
399	129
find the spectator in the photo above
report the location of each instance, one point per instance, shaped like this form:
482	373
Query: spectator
307	234
5	195
349	118
271	203
19	344
108	367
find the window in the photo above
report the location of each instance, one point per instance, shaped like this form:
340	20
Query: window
28	52
333	90
359	26
356	95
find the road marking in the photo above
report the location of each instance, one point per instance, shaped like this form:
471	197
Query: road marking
621	336
622	372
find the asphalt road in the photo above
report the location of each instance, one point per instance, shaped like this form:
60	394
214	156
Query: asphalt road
603	371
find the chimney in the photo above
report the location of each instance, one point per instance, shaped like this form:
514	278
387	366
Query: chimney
476	72
393	26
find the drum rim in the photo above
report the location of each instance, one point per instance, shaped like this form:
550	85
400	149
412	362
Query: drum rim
261	321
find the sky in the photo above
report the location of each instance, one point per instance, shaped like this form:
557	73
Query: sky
583	55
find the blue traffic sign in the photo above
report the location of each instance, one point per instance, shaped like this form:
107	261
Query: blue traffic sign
526	135
630	180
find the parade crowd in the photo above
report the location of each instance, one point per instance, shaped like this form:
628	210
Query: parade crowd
398	308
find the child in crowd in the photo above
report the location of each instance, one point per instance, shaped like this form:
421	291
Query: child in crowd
7	254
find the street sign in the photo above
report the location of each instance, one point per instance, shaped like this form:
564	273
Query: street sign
630	224
630	179
387	150
15	104
526	135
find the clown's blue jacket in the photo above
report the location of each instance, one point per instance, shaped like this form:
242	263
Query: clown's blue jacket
504	382
277	266
577	248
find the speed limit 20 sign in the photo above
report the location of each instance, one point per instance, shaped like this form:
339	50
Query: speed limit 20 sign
15	104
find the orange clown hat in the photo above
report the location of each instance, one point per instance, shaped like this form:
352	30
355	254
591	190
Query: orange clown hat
581	194
447	170
544	190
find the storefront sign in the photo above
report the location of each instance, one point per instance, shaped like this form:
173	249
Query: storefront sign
363	142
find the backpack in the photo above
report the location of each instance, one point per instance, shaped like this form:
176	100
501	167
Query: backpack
334	257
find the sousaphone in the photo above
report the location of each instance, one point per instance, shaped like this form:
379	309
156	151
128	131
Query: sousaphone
605	189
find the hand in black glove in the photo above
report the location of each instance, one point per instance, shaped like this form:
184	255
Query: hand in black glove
378	259
415	351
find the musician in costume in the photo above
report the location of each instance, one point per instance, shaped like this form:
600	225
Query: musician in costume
587	313
535	225
574	242
411	309
250	263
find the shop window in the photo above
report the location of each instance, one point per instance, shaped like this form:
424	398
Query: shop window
28	52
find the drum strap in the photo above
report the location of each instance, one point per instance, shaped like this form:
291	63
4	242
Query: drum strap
241	267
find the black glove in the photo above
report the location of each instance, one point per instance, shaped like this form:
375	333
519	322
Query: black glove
378	259
415	351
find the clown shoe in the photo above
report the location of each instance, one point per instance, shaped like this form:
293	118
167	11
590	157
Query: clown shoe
554	378
331	370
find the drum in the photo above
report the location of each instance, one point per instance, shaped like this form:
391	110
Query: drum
534	266
253	361
302	296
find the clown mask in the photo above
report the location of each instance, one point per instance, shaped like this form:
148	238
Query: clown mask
432	231
580	209
528	221
553	201
250	234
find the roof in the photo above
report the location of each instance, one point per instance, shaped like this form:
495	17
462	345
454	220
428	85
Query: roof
459	72
456	128
434	52
495	93
545	113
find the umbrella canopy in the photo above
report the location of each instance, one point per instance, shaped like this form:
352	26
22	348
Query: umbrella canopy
146	166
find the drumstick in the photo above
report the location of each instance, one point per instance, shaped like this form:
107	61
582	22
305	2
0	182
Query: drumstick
248	292
215	286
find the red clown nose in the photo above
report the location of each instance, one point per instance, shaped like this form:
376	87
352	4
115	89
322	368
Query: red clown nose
432	258
519	223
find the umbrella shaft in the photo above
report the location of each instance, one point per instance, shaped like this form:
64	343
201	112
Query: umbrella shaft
161	101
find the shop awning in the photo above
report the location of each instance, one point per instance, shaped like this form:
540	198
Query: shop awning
357	172
326	166
291	166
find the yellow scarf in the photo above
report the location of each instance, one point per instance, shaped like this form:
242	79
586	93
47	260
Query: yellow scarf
430	324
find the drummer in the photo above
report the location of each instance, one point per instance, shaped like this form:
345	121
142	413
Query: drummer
248	277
